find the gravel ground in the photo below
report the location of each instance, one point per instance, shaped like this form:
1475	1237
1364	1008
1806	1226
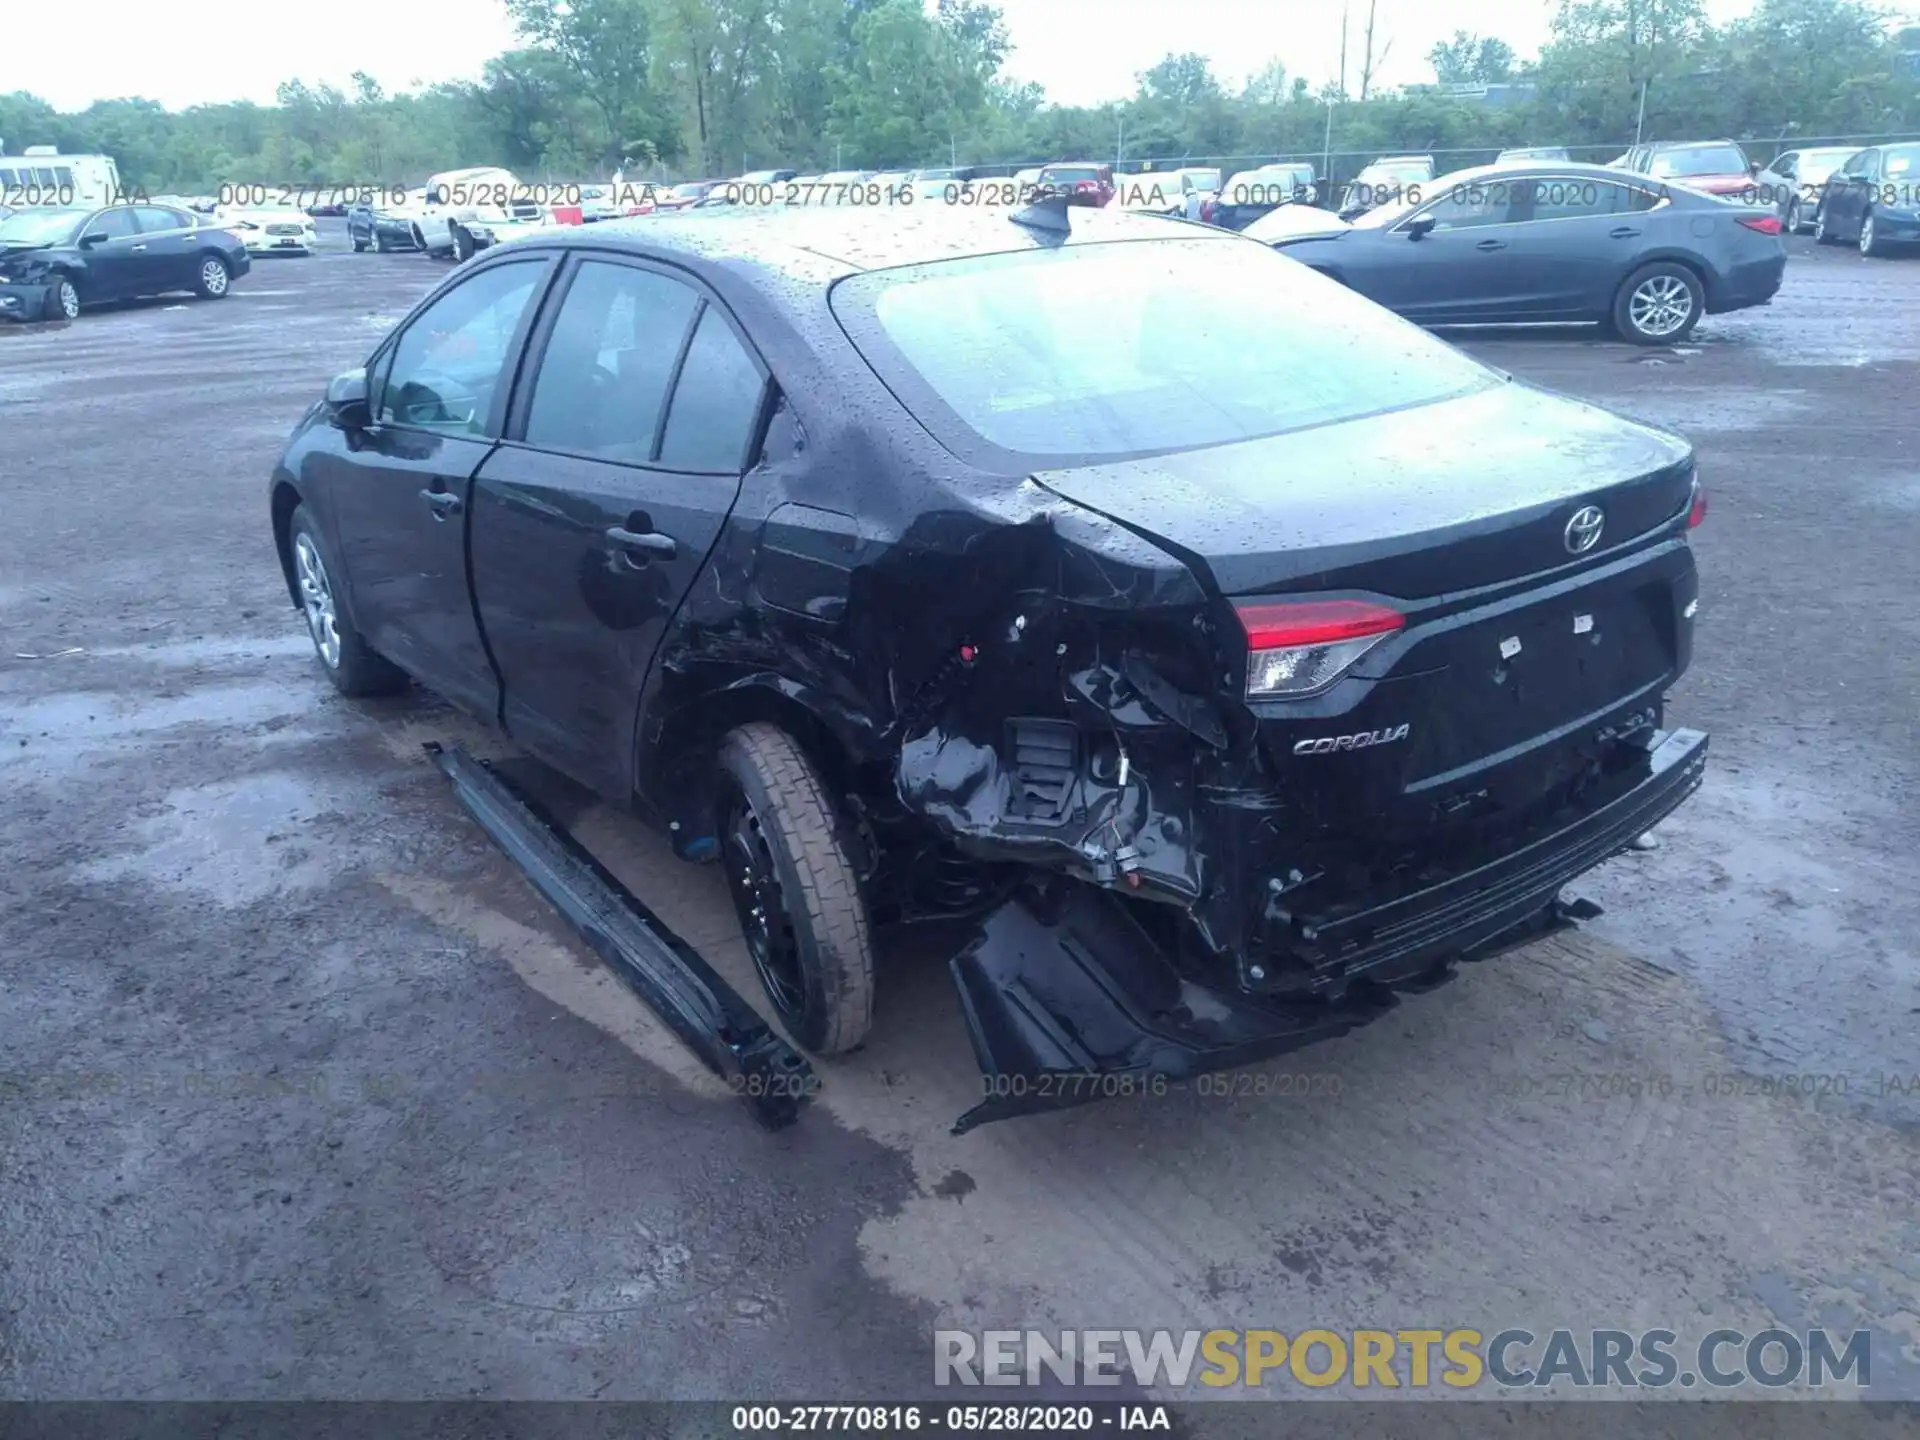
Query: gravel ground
304	1093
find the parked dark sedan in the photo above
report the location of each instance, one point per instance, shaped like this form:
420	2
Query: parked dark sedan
384	227
55	261
1506	245
936	569
1872	200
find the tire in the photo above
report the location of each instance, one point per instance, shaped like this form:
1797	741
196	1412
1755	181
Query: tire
1822	232
419	240
1659	304
1870	242
380	246
359	245
463	246
63	300
1792	220
213	279
794	889
351	664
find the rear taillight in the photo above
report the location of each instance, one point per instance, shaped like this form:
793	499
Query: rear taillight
1765	224
1697	512
1206	211
1299	647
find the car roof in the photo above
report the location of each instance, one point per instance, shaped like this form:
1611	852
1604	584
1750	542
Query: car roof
821	244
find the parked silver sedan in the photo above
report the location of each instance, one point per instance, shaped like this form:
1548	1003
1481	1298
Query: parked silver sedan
1793	183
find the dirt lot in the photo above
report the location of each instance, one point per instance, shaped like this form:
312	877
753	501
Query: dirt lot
304	1093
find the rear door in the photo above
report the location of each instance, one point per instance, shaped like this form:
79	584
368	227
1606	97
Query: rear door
399	496
116	260
1579	237
172	247
623	460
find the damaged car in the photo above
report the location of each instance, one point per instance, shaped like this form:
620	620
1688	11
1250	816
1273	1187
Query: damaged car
1233	656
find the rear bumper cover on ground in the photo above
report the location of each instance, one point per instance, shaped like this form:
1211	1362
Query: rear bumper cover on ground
1071	1001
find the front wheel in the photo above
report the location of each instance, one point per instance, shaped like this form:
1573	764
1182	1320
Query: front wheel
1870	240
794	889
63	300
1659	304
351	664
359	245
1822	229
380	246
213	279
463	246
1792	220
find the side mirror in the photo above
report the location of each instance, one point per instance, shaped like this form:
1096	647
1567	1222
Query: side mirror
1753	167
346	401
89	241
1418	229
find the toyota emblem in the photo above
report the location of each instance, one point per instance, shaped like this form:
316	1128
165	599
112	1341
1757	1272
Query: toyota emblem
1583	530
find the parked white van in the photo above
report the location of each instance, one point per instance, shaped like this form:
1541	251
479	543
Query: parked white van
41	175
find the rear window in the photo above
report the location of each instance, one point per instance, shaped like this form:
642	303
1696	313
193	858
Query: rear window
1699	160
1101	352
1068	174
1902	160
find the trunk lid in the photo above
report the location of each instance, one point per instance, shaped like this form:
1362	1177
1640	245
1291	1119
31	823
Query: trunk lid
1523	663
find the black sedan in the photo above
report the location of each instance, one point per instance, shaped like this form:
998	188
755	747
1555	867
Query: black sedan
1505	245
54	261
936	569
1872	200
383	228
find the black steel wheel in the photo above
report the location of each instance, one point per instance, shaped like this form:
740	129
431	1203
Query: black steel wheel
794	890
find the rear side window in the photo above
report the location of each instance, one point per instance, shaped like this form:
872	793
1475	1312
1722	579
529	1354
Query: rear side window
604	376
715	405
1079	353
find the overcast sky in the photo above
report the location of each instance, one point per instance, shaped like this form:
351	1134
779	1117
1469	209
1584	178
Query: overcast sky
1082	51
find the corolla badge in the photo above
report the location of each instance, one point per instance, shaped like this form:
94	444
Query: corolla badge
1328	744
1583	530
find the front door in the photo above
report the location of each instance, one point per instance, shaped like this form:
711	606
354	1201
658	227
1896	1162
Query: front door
591	522
399	493
1461	268
116	260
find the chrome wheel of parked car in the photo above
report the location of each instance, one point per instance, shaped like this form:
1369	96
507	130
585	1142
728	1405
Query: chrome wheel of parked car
214	278
316	594
1869	236
1792	222
1822	235
1658	305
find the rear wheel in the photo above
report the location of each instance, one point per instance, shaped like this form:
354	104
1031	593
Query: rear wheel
380	246
795	890
463	246
1822	229
1658	305
351	664
1793	217
213	279
359	245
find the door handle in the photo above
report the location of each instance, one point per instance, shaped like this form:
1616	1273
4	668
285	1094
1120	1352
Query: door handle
1491	245
1625	232
442	502
641	544
137	248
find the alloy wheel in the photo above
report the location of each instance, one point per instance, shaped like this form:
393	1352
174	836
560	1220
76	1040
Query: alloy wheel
69	300
1866	234
316	597
1661	305
213	275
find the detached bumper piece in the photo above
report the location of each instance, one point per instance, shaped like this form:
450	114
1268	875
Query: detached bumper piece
1069	1000
688	994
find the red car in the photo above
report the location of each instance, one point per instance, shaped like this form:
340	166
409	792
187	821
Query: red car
678	197
1718	167
1083	183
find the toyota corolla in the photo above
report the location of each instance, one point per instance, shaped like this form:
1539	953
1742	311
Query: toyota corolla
1233	654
